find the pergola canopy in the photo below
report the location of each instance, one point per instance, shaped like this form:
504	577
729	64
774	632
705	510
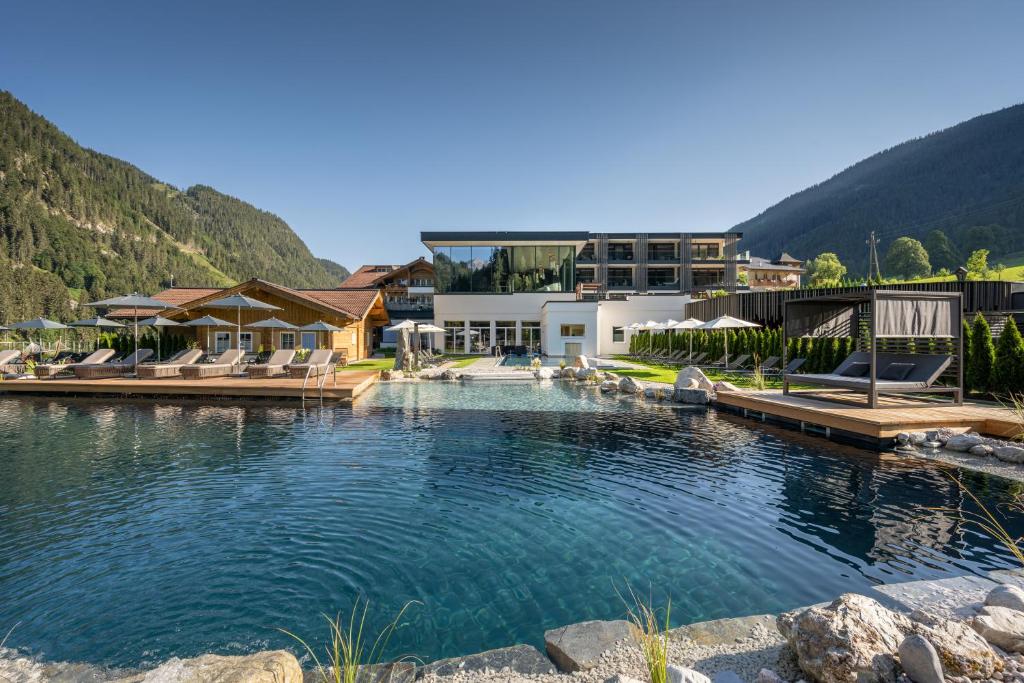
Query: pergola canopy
896	314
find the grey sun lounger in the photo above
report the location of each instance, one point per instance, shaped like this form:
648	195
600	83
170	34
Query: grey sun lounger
925	371
223	365
695	360
94	358
276	365
738	363
117	368
171	367
319	360
720	363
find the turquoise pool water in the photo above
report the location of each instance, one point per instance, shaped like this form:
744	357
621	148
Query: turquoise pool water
133	532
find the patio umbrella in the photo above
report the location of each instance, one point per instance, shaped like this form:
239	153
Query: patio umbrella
650	326
238	302
157	322
39	324
98	323
431	330
689	324
667	326
133	302
272	324
318	327
207	321
726	322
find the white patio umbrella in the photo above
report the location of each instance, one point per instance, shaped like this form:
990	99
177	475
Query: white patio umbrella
668	326
238	302
207	321
689	324
157	322
318	327
99	323
272	324
431	329
133	302
650	326
39	324
726	322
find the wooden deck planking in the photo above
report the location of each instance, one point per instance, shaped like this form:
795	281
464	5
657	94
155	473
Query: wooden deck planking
845	411
350	384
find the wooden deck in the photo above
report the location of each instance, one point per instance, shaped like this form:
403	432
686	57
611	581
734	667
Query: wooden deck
350	384
845	412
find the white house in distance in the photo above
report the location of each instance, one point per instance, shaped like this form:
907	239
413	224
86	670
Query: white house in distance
564	293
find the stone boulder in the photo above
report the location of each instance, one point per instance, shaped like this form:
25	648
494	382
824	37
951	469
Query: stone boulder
622	678
628	385
1006	595
1011	454
982	449
684	377
695	396
725	386
544	373
1001	626
855	638
519	659
609	385
584	374
581	363
963	442
680	674
568	372
275	666
919	660
578	647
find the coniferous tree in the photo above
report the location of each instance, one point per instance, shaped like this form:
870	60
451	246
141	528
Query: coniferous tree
1008	372
979	372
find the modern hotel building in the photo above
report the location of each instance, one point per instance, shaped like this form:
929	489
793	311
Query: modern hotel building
568	292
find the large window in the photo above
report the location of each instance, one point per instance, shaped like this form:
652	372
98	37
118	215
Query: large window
663	252
618	251
287	340
221	342
663	278
454	340
505	333
531	335
705	251
574	330
705	278
620	277
480	336
245	341
497	269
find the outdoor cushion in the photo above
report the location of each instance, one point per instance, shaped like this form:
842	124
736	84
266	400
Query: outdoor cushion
896	372
856	370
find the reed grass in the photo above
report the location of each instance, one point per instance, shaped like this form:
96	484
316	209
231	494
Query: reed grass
987	521
349	649
650	635
757	380
1015	404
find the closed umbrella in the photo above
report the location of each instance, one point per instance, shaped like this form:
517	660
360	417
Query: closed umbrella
238	302
272	324
133	302
40	324
726	322
157	322
99	323
207	321
689	324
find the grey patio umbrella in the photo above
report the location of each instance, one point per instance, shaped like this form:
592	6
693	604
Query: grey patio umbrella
238	302
272	324
133	302
157	322
207	321
39	324
98	323
319	326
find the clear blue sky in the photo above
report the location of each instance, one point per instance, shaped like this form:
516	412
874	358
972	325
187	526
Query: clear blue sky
362	124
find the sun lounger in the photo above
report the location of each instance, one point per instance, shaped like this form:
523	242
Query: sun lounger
720	363
319	360
275	365
898	373
47	371
738	363
769	363
9	357
693	360
171	367
223	365
117	368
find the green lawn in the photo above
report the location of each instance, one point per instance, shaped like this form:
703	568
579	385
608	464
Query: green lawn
652	372
1014	271
388	363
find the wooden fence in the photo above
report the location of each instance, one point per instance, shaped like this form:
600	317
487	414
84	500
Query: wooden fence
765	308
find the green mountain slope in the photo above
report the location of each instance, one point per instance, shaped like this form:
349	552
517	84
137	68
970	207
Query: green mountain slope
335	270
967	181
104	227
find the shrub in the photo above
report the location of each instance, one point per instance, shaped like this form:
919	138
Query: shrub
1008	372
983	356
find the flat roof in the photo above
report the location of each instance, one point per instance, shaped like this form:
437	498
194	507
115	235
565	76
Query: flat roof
577	237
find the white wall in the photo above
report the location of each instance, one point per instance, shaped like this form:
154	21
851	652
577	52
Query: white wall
634	309
558	313
492	307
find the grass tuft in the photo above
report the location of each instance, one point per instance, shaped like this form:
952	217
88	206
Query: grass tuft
650	635
1015	404
349	650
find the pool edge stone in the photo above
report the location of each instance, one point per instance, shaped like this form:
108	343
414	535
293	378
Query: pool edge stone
578	647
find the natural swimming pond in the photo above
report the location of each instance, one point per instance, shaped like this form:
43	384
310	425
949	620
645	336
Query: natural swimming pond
133	532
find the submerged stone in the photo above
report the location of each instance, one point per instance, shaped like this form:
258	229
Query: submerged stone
275	666
578	647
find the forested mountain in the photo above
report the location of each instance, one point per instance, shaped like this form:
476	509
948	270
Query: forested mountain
966	182
335	270
103	227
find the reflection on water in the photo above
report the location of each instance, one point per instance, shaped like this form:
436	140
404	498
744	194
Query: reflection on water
132	532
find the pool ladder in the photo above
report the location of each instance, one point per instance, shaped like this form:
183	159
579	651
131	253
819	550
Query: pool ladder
321	379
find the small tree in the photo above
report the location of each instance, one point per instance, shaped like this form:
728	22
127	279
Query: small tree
983	356
940	251
826	270
907	258
1008	373
977	264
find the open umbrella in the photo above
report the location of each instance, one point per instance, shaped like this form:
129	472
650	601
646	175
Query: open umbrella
650	326
133	302
98	323
272	324
668	325
207	321
726	322
39	324
689	324
158	322
319	326
431	329
238	302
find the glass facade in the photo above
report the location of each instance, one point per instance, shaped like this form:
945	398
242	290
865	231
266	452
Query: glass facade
531	335
499	269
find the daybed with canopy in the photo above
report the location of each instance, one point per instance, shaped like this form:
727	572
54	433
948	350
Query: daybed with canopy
890	327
